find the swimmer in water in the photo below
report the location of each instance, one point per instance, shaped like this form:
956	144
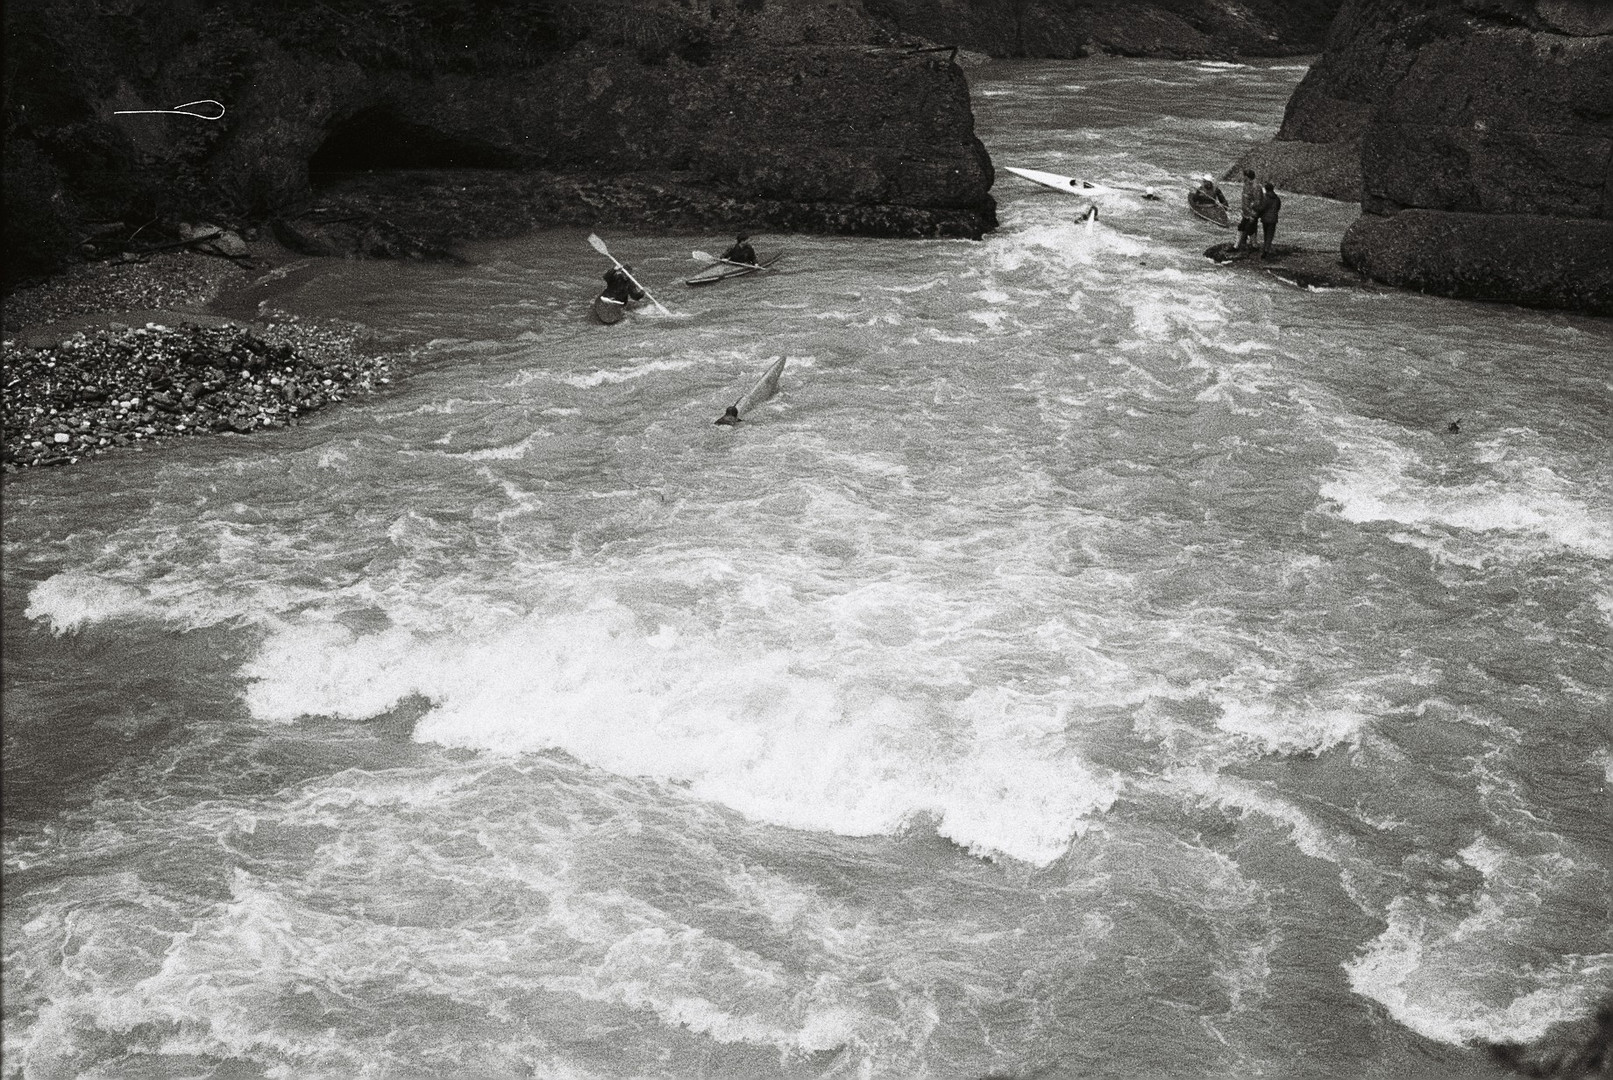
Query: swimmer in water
1455	428
730	417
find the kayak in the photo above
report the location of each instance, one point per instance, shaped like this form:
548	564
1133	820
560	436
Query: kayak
722	271
765	388
609	311
1208	209
1067	184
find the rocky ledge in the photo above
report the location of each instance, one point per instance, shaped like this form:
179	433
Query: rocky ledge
1478	135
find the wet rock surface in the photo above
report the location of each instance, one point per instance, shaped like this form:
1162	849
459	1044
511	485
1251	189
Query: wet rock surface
1478	136
1532	259
1300	267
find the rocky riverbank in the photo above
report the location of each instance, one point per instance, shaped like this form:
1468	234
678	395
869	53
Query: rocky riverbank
335	119
1478	138
97	361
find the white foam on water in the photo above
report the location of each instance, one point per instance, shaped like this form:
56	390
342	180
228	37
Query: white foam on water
626	374
1376	480
1166	317
473	945
1279	729
1442	969
1057	247
915	287
74	599
1604	759
1229	793
771	732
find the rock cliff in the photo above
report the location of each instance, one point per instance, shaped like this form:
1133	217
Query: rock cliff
1478	135
400	128
1065	29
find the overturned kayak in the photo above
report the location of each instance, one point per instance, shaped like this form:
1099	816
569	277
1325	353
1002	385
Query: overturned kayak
722	271
1208	208
609	311
765	388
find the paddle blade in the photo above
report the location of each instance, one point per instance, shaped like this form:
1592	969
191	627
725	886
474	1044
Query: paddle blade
597	244
703	256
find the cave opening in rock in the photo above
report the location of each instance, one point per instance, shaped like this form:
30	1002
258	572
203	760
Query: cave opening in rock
376	139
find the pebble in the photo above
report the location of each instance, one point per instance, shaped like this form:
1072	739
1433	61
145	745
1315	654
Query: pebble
118	386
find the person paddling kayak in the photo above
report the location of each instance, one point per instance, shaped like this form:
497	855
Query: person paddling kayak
741	252
619	286
730	417
1207	190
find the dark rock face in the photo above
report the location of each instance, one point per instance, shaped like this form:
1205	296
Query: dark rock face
1478	135
1532	259
1065	29
1376	46
745	112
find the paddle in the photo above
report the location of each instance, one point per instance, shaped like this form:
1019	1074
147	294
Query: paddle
599	245
706	256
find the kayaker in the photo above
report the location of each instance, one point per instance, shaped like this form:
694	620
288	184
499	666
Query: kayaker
1091	213
1267	209
741	252
1208	190
730	417
1250	220
619	286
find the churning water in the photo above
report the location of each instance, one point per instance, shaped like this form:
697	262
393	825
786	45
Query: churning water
1093	663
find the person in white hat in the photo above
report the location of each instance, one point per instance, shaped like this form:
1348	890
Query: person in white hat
1208	189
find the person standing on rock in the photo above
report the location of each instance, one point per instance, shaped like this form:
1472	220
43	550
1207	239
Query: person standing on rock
1249	222
741	252
619	285
1267	210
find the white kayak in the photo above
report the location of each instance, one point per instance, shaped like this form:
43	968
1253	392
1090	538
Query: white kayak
1067	184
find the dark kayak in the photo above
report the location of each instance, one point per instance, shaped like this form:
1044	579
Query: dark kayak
1208	209
609	311
723	271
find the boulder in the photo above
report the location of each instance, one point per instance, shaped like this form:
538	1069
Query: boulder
1488	122
1534	259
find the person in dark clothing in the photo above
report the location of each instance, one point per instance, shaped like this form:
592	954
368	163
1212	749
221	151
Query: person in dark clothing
619	285
1267	210
741	252
1208	190
1250	221
730	417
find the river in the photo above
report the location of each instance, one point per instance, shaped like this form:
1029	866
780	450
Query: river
1094	662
